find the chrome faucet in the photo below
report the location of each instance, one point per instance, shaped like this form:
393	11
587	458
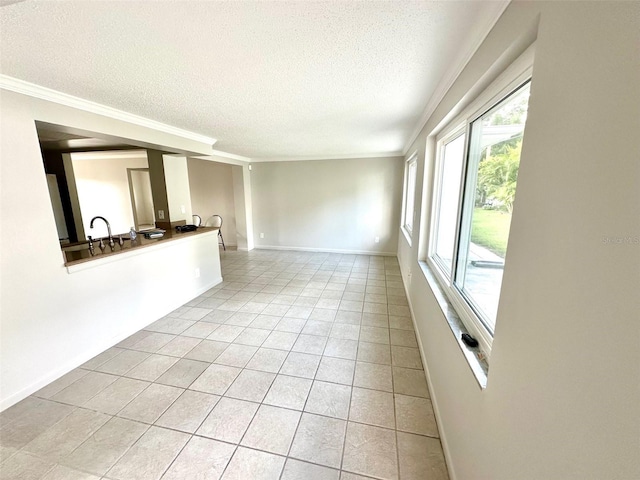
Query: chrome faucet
112	244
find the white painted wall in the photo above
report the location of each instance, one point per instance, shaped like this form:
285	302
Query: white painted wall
339	205
211	186
103	189
52	321
563	394
178	194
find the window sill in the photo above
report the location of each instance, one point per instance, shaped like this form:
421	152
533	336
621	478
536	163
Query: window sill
474	356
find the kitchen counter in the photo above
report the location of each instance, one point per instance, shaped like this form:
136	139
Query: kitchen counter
77	253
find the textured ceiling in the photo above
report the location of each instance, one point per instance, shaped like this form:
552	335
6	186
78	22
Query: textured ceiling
267	79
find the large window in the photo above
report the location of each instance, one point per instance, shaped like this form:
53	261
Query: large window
477	162
408	213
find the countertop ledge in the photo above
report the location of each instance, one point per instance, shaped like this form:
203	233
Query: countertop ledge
130	248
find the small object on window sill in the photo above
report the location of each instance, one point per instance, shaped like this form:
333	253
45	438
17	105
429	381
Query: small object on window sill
469	341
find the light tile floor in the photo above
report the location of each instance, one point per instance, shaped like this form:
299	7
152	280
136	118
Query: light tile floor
299	366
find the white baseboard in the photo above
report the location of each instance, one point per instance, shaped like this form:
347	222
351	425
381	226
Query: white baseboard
326	250
89	354
434	400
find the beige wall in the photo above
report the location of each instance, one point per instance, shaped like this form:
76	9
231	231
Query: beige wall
330	205
211	186
563	394
52	320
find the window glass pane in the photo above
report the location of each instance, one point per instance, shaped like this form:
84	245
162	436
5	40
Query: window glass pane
494	159
452	160
411	193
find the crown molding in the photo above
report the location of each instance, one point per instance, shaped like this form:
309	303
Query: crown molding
352	156
44	93
454	71
232	156
224	157
109	154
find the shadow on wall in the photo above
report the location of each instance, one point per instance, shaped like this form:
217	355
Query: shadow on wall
211	185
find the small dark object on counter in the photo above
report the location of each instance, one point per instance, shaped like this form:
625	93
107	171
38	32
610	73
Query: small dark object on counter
469	341
186	228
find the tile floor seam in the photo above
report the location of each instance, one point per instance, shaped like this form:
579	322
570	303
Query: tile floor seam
91	398
395	419
39	458
87	439
138	395
176	457
302	412
344	443
126	451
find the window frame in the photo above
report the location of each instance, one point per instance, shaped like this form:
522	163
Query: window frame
411	162
448	136
513	78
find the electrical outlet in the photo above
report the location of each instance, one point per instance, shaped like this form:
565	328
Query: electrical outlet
161	214
182	209
262	235
377	240
196	273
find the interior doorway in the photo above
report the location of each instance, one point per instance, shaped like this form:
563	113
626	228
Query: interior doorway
141	198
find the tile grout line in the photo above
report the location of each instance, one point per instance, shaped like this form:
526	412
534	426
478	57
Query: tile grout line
346	427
